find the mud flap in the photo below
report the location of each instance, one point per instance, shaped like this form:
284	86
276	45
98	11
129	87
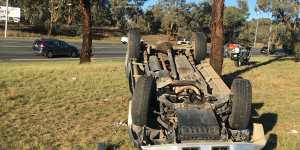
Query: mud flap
197	124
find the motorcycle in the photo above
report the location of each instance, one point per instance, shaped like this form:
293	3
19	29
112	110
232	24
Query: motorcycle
240	55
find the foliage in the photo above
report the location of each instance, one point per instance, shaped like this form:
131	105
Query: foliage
235	19
180	19
285	12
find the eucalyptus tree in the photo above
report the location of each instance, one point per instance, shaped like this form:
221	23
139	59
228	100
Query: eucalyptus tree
284	12
86	50
217	36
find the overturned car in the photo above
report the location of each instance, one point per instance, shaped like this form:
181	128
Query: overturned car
180	102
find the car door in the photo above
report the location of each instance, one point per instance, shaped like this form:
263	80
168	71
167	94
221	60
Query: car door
51	46
65	48
61	49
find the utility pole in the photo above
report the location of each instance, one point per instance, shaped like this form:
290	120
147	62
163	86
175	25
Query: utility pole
257	23
254	44
6	19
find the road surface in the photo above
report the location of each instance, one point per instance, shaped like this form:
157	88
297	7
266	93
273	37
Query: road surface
15	49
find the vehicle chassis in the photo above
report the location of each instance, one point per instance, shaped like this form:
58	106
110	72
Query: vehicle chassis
192	104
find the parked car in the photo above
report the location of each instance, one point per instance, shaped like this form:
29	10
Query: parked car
52	47
264	50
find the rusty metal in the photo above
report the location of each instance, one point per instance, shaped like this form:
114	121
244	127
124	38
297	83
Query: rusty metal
154	63
184	88
162	60
190	102
172	65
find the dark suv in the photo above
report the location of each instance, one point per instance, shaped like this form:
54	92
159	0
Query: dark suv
53	47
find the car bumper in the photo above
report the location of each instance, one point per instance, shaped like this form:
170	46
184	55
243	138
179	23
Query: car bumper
258	142
205	146
37	51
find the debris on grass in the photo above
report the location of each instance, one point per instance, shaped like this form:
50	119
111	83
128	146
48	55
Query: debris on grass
120	123
293	131
11	93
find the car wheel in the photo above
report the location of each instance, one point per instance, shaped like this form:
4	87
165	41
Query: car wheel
143	97
50	54
133	51
134	45
200	47
241	104
74	54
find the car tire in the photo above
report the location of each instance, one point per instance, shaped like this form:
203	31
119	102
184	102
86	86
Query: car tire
134	45
199	45
143	97
73	54
241	99
133	51
130	82
49	54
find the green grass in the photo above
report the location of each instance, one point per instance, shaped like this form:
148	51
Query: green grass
63	105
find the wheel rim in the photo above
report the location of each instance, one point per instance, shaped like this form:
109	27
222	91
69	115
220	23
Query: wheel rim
50	54
73	54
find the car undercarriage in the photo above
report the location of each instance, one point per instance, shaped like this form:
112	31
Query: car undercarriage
178	97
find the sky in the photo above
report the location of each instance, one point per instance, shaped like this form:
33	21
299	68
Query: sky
251	4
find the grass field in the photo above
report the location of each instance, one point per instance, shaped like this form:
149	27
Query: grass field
63	105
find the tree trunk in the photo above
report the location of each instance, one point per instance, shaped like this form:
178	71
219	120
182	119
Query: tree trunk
50	28
86	50
217	36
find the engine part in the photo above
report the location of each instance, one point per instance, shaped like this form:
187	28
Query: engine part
197	124
154	64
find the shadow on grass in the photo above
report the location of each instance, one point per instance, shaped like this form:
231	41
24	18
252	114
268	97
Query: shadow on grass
103	146
268	120
271	142
228	78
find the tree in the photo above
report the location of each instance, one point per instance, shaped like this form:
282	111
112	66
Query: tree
201	17
285	12
55	9
128	14
101	13
217	37
86	50
243	6
234	21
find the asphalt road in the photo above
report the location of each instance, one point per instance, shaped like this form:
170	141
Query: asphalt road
15	49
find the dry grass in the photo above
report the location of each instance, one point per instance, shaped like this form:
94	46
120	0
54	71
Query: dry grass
63	105
276	95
